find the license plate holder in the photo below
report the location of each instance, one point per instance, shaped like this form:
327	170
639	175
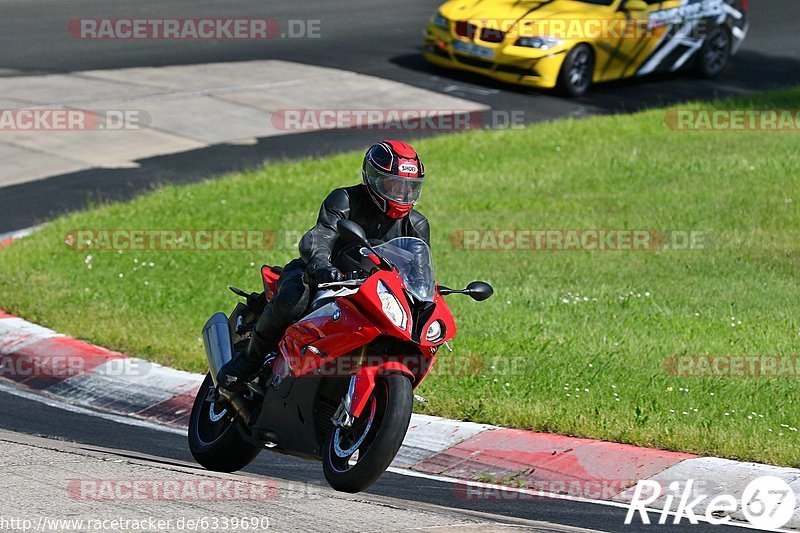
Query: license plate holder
472	49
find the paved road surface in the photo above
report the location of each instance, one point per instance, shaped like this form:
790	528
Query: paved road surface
58	486
24	415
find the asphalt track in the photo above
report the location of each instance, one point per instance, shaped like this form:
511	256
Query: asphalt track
24	415
380	38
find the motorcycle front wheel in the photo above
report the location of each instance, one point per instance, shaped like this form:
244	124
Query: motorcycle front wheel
214	439
357	456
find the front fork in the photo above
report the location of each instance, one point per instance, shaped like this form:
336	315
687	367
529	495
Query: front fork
362	384
343	417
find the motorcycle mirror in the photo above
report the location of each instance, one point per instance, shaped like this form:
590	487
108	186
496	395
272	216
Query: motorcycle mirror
479	291
352	232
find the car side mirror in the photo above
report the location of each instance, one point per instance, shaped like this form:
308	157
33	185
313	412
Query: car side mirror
479	291
352	232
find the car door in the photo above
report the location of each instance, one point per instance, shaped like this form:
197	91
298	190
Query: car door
630	37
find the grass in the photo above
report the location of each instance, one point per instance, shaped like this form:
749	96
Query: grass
587	332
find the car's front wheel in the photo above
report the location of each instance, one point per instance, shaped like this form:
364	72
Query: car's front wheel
715	53
577	71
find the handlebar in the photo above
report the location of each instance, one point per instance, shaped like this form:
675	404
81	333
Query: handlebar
344	283
351	279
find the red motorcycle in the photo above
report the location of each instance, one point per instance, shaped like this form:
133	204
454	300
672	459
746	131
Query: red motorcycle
340	387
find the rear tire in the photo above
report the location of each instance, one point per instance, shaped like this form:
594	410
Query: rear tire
214	438
375	436
577	71
715	53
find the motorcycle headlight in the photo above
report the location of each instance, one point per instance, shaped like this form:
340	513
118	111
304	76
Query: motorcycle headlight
440	21
435	331
391	306
543	43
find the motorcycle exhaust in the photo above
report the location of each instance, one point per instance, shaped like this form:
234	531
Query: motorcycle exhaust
218	343
219	350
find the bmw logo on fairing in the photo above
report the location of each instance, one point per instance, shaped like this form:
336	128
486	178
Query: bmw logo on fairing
336	313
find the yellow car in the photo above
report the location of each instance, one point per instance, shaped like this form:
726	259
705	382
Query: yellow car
570	44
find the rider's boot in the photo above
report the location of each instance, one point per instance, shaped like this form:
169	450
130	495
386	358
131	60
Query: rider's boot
236	373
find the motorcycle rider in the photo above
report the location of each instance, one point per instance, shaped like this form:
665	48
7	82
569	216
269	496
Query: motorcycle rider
392	178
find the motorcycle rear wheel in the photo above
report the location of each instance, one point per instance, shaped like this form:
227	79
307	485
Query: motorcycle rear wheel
355	458
214	438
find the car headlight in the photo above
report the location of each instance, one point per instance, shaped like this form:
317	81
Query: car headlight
543	43
391	306
440	21
435	331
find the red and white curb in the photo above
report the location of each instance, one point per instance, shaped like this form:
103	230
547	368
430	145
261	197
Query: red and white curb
7	238
477	457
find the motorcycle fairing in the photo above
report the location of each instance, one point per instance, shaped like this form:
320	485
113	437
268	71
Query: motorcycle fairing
270	276
290	416
318	339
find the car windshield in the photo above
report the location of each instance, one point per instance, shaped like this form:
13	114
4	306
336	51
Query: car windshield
412	257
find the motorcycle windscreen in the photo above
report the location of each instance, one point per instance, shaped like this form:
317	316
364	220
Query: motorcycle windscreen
412	257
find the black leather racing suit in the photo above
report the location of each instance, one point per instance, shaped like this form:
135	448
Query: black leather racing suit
319	248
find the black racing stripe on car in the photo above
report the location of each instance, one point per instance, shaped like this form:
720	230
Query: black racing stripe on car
612	53
668	37
528	12
673	57
673	28
634	61
666	64
531	10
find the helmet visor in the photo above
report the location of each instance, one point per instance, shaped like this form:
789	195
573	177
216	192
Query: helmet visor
394	188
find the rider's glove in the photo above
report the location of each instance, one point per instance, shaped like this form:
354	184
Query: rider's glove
325	274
